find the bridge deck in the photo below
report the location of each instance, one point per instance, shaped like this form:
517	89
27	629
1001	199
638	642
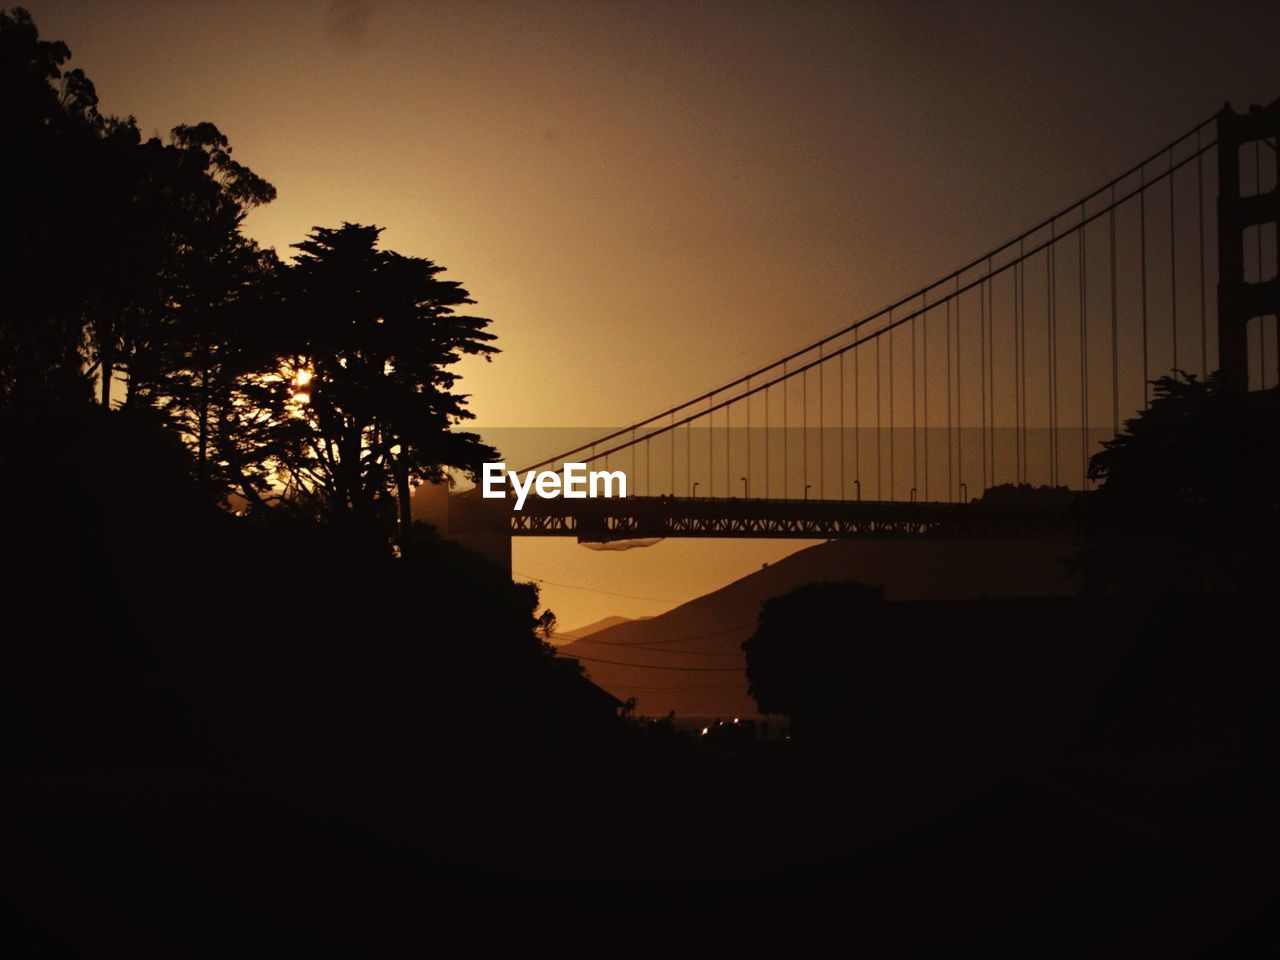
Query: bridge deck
634	518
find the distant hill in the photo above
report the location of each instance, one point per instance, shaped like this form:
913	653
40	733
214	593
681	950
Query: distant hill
690	660
562	638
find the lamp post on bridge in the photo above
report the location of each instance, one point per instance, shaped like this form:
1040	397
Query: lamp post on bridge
695	490
745	495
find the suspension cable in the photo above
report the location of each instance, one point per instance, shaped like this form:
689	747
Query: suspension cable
953	276
877	334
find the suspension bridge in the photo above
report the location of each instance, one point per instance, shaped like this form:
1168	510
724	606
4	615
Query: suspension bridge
971	406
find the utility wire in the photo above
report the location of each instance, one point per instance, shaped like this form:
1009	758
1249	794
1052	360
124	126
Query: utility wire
669	640
692	686
629	596
655	666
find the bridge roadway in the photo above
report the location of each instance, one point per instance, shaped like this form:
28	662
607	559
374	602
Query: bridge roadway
633	518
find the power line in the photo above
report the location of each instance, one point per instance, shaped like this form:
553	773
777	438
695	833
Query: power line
678	653
656	643
630	596
692	686
610	593
654	666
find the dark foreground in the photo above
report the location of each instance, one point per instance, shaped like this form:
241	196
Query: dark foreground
1080	826
736	860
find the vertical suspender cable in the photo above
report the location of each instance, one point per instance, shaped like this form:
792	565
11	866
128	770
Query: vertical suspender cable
842	494
982	375
804	432
1022	323
991	361
879	465
711	447
1084	354
1142	220
914	476
1115	340
1204	338
822	423
1048	313
893	490
950	488
767	465
786	435
924	351
1056	418
857	421
1173	265
959	398
1018	411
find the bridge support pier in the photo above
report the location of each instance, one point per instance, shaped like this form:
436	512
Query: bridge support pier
1238	301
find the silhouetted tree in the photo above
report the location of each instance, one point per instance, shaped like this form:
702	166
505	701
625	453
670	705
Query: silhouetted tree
176	214
373	334
216	373
114	251
1190	494
799	660
51	131
190	359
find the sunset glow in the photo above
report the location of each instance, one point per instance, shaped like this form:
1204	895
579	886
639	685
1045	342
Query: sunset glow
641	478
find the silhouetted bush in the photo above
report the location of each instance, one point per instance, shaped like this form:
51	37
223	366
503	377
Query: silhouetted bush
1190	495
146	625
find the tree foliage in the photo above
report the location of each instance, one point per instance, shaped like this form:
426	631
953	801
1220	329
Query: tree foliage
799	658
53	133
123	259
1190	493
374	333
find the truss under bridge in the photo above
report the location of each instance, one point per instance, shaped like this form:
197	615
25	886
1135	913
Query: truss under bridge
635	518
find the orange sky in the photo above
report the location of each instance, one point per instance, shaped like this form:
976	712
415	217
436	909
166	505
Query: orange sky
651	198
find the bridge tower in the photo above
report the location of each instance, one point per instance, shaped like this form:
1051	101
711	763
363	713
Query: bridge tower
1239	301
